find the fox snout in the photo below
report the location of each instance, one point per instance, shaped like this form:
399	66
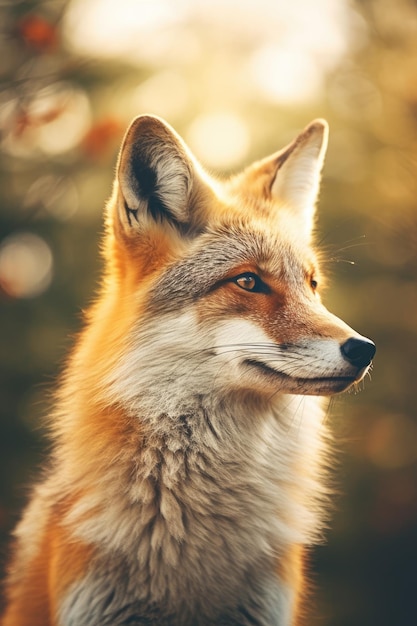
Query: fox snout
358	352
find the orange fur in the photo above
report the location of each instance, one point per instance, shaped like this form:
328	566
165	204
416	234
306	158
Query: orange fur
58	563
290	570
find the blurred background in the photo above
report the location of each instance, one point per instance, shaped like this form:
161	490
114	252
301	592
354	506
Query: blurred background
237	79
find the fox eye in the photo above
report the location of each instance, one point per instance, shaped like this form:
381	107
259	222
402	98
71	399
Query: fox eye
313	284
250	282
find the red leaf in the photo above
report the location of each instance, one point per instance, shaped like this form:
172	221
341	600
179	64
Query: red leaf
37	32
101	136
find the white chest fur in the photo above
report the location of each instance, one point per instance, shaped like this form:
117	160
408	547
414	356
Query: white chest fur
211	503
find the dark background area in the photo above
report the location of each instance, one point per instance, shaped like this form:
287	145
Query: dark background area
63	110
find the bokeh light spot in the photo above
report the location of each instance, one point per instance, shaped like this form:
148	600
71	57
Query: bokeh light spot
66	130
26	265
285	75
108	29
220	140
166	94
53	121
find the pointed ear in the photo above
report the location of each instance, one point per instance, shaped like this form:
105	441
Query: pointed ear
297	180
156	175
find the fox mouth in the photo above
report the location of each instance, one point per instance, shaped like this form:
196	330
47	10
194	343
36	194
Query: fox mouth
321	385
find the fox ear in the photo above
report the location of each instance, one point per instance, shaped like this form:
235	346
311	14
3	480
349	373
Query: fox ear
297	178
155	173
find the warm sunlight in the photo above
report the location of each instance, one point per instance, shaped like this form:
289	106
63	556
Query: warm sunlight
281	56
288	50
238	80
220	140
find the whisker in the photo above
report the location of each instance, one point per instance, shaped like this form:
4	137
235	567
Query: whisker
349	262
300	405
353	243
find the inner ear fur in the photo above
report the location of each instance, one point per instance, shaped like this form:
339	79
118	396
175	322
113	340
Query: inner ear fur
291	177
156	175
299	165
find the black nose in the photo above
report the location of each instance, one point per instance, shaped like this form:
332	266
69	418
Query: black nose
359	352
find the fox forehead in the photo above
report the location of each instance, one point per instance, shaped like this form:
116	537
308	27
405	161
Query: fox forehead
223	249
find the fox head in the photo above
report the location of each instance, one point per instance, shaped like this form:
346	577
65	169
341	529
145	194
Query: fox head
216	283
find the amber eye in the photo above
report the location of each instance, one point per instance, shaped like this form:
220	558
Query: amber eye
250	282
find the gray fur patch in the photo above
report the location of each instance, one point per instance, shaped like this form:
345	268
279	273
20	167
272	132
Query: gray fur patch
105	599
212	256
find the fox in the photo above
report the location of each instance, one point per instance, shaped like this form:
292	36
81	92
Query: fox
190	459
